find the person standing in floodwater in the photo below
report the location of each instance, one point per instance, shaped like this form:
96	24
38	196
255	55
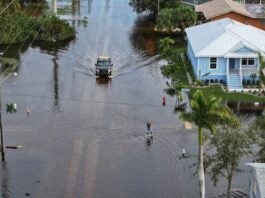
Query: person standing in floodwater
148	125
163	100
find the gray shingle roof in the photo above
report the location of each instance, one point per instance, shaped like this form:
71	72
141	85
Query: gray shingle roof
219	7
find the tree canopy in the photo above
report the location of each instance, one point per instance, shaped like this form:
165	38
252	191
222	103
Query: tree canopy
152	6
230	145
179	17
165	47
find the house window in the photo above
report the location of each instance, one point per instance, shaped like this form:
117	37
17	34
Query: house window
213	63
248	61
251	61
244	61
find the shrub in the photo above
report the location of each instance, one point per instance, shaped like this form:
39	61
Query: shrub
45	28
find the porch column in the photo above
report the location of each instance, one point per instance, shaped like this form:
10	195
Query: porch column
227	70
240	69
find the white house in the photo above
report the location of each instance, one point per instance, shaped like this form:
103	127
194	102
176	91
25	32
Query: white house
257	180
225	51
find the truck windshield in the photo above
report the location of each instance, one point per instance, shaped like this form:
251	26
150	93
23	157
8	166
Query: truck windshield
103	63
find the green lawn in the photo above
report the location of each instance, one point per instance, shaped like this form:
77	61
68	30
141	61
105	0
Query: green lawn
217	91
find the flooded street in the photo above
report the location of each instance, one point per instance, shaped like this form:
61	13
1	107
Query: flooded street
85	136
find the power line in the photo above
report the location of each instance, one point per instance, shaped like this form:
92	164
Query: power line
41	25
20	33
15	24
87	101
7	6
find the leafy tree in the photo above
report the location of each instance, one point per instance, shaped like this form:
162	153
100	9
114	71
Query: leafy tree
165	20
206	114
151	6
179	17
231	145
165	47
18	27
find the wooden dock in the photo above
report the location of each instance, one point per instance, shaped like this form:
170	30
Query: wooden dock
234	194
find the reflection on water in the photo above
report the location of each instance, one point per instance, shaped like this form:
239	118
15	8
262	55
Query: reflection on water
75	7
107	5
143	37
56	84
103	80
51	47
89	5
5	193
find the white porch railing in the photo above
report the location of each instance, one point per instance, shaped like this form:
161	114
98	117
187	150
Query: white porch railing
249	70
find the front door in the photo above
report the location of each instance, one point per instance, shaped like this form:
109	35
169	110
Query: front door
232	63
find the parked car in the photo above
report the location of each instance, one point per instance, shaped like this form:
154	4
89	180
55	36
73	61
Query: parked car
103	66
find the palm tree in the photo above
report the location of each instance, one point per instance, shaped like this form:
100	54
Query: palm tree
261	72
206	113
165	47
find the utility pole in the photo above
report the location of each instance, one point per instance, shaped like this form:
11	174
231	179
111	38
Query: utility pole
54	7
1	133
158	7
1	124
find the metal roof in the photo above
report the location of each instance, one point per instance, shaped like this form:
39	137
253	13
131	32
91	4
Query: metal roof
260	175
217	38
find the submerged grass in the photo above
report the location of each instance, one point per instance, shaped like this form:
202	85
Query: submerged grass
8	65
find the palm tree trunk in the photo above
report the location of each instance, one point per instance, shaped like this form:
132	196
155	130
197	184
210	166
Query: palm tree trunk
229	185
200	167
54	7
201	173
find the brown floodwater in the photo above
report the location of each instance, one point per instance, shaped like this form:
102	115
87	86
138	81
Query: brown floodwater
85	136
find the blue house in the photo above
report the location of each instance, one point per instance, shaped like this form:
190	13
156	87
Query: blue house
225	51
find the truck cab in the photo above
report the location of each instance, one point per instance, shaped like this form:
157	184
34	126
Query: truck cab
103	66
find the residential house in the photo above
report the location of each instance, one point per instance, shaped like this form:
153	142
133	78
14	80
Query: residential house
194	2
198	2
225	51
256	180
253	14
